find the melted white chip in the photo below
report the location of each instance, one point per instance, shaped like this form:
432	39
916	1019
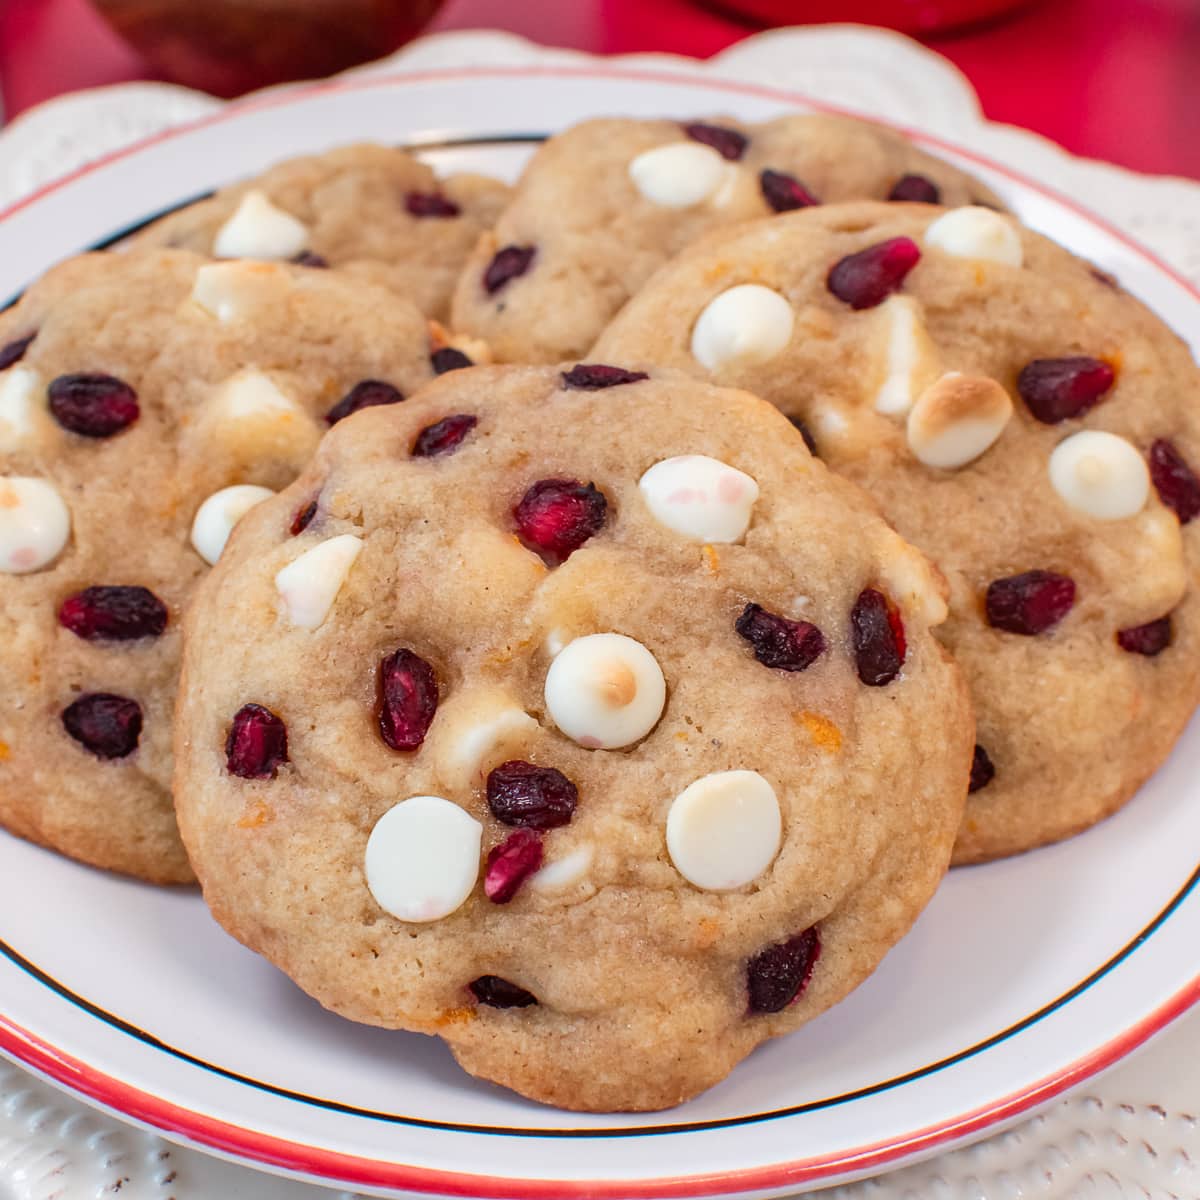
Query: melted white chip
1100	474
19	388
745	324
485	737
309	585
723	831
909	356
34	524
250	394
680	174
422	858
258	229
979	233
605	690
231	291
957	419
217	516
700	497
564	872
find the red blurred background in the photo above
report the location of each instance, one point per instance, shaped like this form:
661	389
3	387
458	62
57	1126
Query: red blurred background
1114	79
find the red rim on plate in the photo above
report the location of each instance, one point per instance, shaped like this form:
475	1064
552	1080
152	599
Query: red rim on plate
268	1150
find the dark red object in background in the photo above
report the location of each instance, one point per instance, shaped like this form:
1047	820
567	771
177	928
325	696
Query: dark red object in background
1114	79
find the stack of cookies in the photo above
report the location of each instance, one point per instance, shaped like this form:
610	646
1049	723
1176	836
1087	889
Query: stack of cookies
532	614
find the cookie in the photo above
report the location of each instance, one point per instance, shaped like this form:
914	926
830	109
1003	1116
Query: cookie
146	400
1026	423
373	212
603	205
604	758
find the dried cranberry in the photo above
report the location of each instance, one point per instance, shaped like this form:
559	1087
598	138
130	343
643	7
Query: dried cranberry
728	143
408	699
257	743
915	188
444	436
877	631
366	394
14	351
95	406
982	771
430	204
511	863
304	518
778	642
1057	389
117	613
509	263
869	277
448	358
107	725
1176	482
592	377
519	793
784	192
1029	603
1105	277
306	258
806	434
556	516
777	976
499	993
1149	639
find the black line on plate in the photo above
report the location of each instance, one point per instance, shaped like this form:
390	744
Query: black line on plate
148	1039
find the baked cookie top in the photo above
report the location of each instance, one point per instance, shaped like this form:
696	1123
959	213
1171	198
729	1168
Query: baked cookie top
147	400
1024	421
590	724
374	212
601	206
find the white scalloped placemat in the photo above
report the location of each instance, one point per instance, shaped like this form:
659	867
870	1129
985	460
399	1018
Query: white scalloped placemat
1130	1134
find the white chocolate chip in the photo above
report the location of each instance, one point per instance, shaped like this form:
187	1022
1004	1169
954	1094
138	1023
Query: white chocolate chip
700	497
555	641
35	524
1100	474
250	394
909	358
605	690
309	585
217	516
231	291
723	830
19	387
746	324
680	174
475	730
957	419
978	233
564	872
258	229
249	420
913	583
422	858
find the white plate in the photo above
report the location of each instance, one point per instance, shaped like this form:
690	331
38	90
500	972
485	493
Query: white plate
1022	978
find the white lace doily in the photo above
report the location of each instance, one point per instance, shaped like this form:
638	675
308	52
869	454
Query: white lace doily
1132	1133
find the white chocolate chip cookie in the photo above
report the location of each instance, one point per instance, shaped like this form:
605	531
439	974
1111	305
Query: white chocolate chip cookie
1022	420
603	758
604	204
148	401
373	212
